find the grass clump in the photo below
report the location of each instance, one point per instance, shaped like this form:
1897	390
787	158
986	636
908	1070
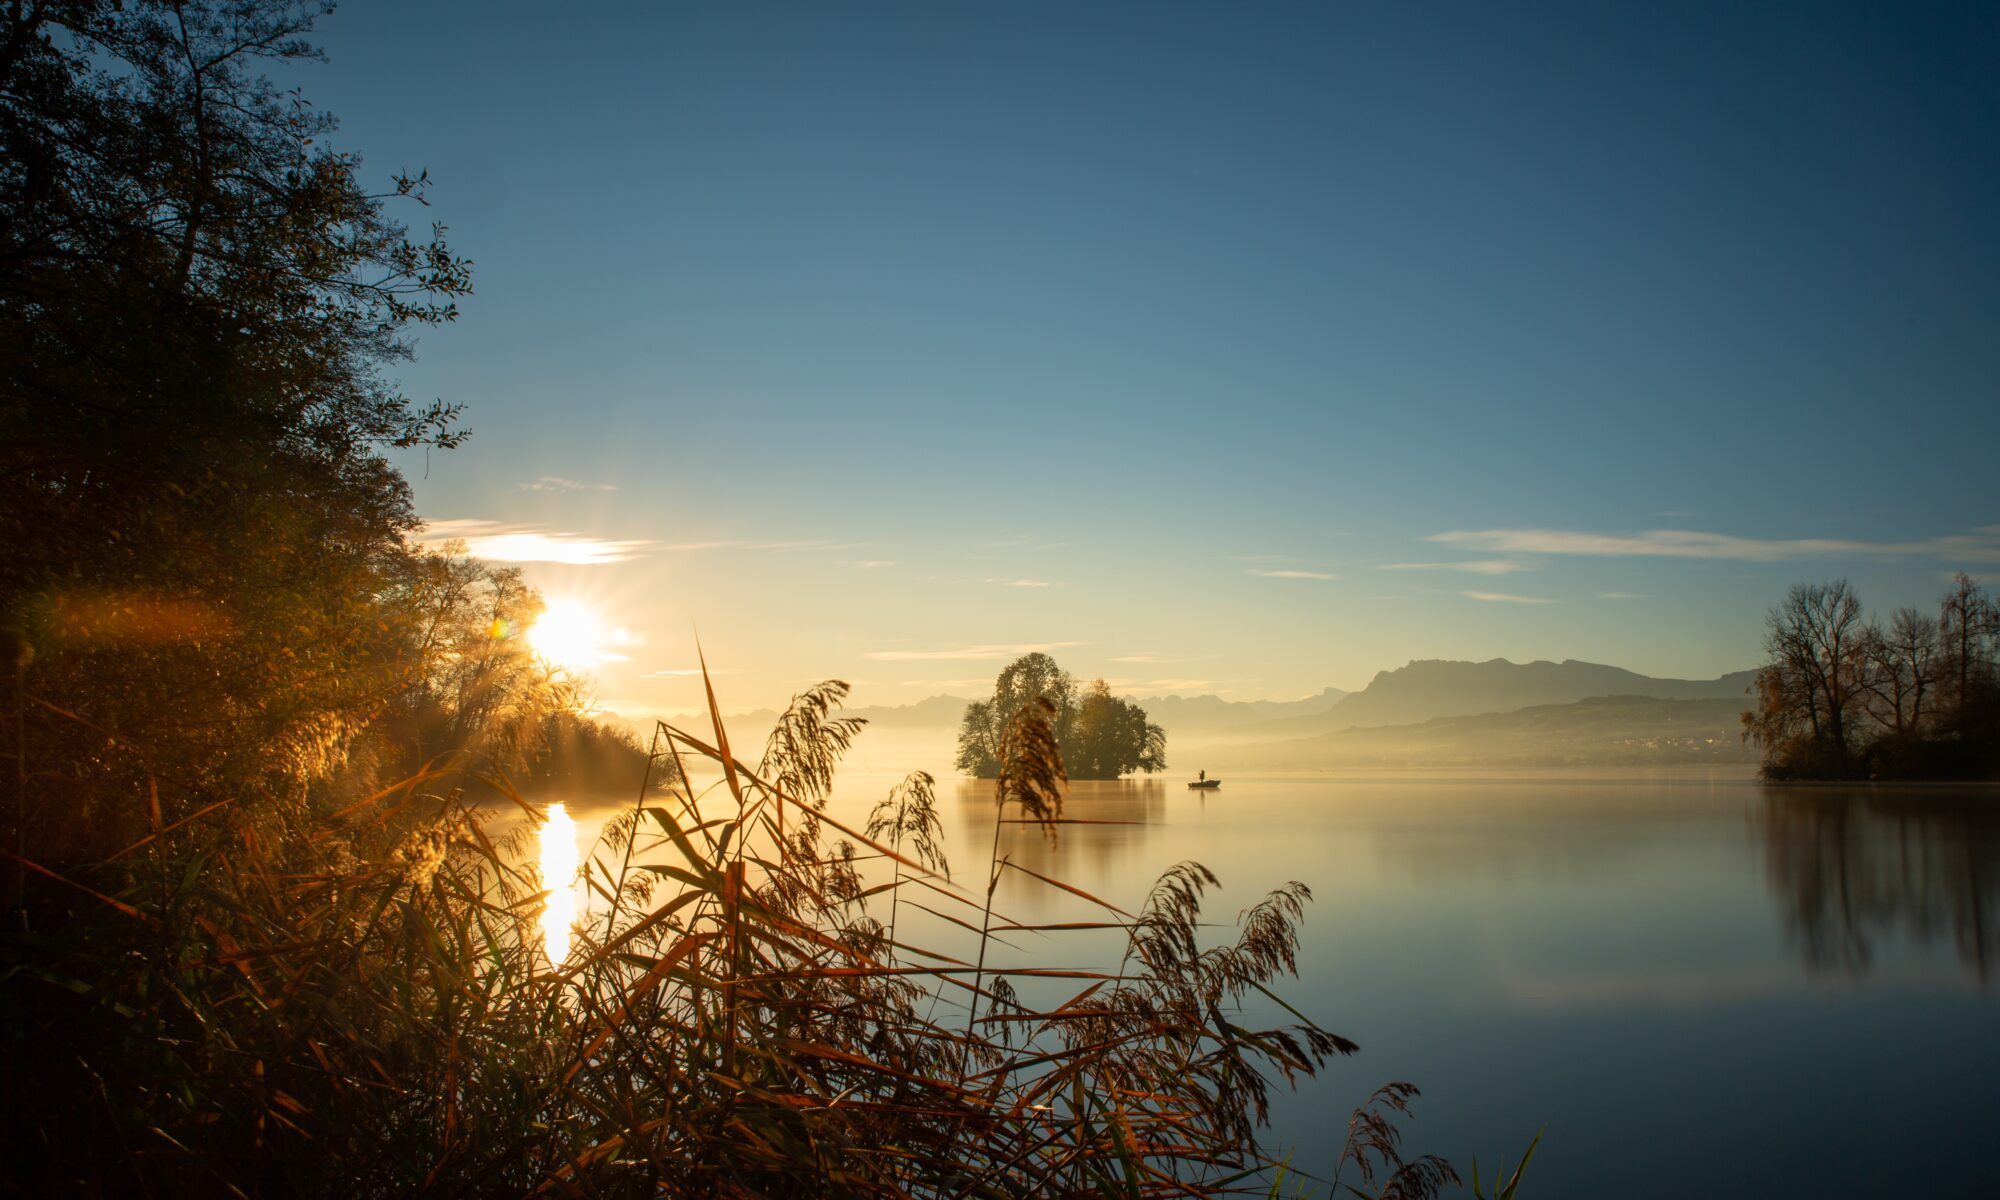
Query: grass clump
359	1003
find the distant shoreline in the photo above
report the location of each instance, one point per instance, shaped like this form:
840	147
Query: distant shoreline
1991	785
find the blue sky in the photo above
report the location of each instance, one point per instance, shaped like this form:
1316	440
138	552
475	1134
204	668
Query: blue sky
881	340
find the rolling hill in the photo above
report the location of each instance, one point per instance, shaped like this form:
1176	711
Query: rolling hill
1429	688
1600	731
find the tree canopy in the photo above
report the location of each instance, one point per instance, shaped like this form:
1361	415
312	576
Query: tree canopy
209	560
223	638
199	297
1101	736
1842	696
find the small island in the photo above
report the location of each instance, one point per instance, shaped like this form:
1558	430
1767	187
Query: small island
1102	736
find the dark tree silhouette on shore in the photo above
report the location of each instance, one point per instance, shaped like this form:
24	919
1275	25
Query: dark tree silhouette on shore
198	298
1842	698
1903	669
1968	623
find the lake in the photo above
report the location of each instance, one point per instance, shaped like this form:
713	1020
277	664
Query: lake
1694	981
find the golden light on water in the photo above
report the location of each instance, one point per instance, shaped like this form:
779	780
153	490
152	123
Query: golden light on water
559	863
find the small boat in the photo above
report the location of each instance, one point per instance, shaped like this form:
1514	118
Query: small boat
1204	784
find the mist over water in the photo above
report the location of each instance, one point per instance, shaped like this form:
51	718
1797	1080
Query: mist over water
1681	974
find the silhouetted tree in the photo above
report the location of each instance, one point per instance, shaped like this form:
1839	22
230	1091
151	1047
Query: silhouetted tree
198	297
1902	670
1100	736
1810	692
1968	622
1111	737
1027	678
475	685
977	738
1915	700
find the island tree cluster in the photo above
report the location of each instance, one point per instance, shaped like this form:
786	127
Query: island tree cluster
1101	736
1915	696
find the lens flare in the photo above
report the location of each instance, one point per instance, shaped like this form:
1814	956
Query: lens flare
559	862
569	634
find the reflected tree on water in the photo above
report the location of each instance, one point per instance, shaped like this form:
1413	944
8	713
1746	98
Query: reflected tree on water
1856	869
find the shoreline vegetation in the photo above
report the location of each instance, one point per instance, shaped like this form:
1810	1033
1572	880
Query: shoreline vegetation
1844	698
364	1007
259	940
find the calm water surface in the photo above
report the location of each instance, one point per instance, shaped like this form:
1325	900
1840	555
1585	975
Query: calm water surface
1695	982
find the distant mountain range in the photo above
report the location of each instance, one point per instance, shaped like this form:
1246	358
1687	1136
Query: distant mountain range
1412	714
1429	688
1599	731
1214	714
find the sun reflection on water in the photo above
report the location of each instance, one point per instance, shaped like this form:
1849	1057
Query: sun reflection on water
559	863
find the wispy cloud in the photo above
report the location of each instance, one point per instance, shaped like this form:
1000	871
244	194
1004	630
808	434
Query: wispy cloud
1290	574
530	543
1980	545
1275	560
1506	598
556	483
1478	566
870	564
776	544
1026	583
969	653
1023	541
1621	596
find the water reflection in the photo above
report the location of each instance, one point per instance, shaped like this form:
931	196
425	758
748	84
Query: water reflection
1530	944
1108	826
1087	801
1857	868
559	867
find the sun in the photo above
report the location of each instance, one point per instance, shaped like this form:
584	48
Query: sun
570	634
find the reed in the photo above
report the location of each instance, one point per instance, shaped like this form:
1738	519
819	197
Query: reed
357	1002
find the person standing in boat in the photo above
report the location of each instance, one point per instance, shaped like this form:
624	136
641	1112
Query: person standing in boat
1201	776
